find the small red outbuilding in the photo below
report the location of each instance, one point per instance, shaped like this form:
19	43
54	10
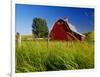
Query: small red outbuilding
64	31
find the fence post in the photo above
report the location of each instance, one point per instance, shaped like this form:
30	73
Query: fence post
18	39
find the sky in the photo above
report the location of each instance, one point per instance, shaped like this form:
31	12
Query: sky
81	18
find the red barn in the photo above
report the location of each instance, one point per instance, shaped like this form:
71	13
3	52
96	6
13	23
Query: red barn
64	31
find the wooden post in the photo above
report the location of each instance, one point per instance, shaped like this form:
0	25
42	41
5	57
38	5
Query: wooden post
18	39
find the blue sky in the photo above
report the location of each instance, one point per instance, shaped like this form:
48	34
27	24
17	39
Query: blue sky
82	18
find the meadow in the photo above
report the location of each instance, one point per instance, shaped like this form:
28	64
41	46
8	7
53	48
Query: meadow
37	56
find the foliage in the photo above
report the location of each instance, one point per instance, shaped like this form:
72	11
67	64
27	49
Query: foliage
39	27
35	56
89	36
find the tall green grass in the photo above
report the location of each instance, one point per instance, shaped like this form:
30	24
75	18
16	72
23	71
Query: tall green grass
35	56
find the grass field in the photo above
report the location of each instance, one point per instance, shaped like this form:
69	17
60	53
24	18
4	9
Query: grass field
35	56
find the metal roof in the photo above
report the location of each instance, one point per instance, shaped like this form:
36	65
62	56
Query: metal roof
72	27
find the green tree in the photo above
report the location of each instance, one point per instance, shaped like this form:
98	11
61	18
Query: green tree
39	27
89	36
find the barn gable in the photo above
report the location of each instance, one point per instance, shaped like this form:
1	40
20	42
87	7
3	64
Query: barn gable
63	30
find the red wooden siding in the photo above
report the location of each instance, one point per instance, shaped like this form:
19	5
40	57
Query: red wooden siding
61	31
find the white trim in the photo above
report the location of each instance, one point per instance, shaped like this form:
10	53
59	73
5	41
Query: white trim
13	40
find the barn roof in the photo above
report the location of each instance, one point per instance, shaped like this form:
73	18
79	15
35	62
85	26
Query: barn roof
72	27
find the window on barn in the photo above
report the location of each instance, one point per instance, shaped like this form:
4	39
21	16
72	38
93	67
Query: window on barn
58	23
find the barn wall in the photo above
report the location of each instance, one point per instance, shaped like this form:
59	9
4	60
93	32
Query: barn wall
81	38
61	31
